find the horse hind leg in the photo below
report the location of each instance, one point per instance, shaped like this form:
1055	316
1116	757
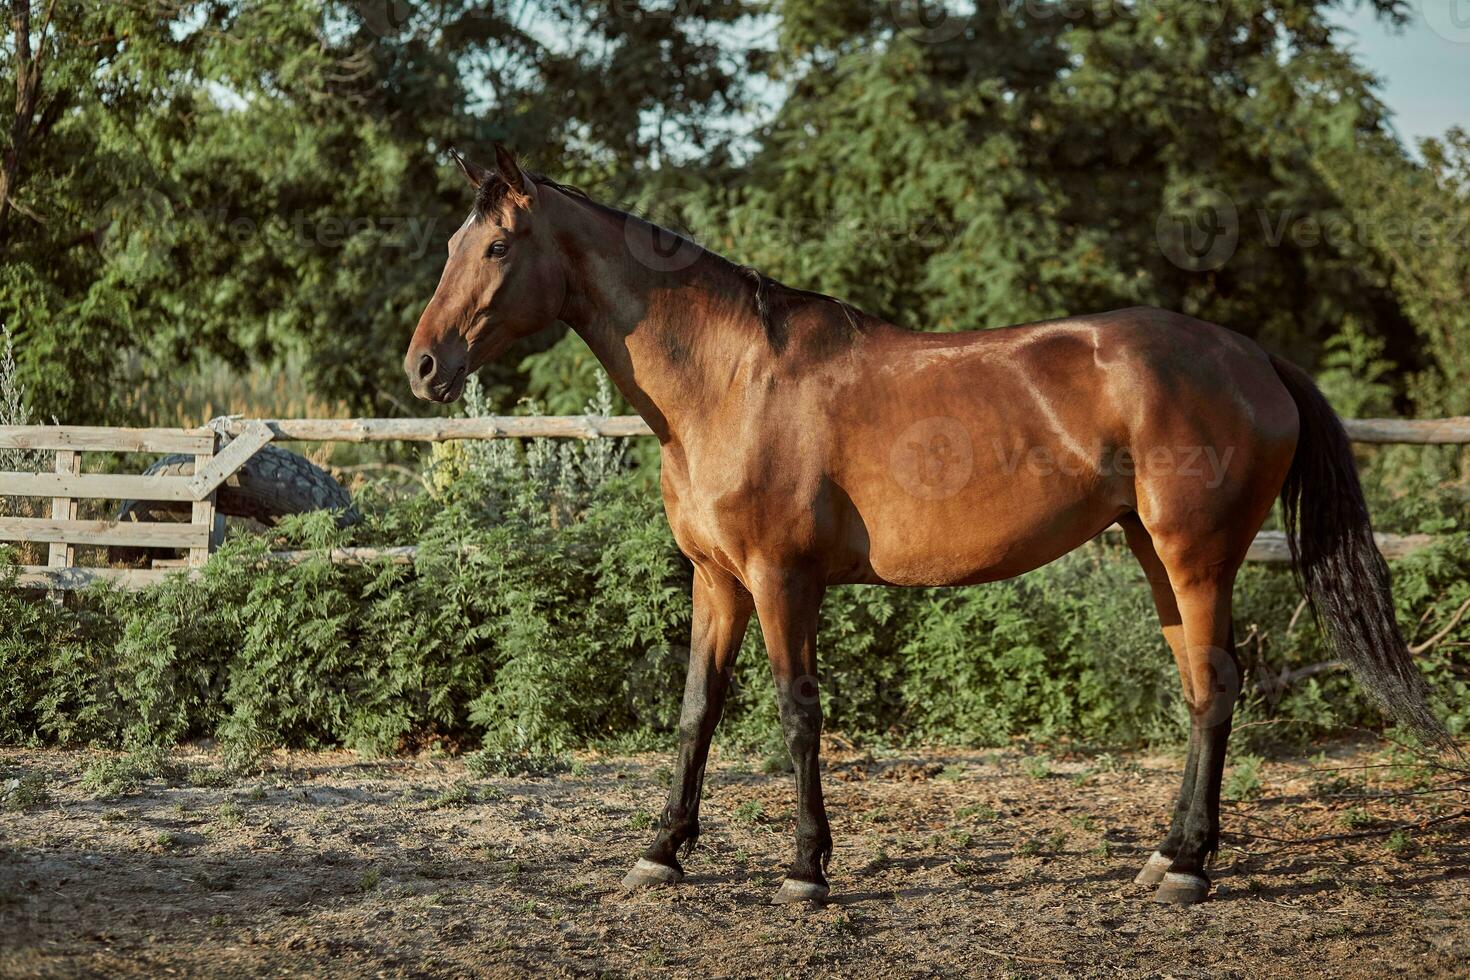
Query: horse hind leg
1202	591
1142	546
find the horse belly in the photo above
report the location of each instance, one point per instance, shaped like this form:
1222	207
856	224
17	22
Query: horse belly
960	522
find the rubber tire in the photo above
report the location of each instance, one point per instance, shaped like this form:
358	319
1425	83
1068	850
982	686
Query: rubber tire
274	483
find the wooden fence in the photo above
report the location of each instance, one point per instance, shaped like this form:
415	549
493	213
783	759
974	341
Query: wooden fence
220	449
63	532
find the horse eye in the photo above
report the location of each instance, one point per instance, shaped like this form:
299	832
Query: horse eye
497	249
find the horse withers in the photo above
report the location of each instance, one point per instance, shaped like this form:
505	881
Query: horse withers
806	444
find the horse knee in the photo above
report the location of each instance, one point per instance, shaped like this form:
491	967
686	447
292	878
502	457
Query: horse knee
801	724
691	727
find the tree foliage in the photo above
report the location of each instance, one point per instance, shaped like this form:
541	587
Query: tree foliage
1030	161
189	180
247	180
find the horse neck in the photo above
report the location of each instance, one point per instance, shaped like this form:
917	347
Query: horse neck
672	340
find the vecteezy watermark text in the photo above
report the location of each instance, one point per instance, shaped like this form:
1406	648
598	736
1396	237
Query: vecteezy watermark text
148	219
1207	462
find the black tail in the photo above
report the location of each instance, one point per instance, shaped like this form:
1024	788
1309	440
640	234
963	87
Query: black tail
1339	566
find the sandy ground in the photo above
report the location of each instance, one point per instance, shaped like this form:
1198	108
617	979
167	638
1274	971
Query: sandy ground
946	863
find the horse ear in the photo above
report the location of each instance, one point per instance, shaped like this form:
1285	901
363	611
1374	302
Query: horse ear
510	171
473	172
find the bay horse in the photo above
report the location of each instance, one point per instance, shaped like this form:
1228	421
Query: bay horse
806	444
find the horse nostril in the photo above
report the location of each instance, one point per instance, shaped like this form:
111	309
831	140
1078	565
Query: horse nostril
426	366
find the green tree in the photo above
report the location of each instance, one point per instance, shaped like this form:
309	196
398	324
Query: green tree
1413	217
1017	162
245	180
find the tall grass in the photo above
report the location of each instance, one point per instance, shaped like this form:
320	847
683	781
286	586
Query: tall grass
210	388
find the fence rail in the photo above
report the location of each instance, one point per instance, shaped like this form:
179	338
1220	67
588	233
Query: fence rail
1412	431
451	430
215	463
1443	432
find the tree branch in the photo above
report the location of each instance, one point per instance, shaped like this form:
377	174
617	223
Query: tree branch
27	96
1419	648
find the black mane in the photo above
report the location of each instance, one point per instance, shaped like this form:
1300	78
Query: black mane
773	301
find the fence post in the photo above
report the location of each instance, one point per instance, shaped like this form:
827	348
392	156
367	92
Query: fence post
203	512
60	554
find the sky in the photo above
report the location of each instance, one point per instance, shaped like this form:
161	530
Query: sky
1424	69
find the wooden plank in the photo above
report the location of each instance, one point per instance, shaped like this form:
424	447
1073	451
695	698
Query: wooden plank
145	534
211	472
60	554
202	515
106	438
397	555
1422	431
1416	431
448	430
1270	547
103	485
71	579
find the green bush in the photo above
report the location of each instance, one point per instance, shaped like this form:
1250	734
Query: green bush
548	609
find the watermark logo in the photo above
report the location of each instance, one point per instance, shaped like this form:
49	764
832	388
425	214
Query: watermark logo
650	239
647	684
134	225
933	458
385	18
1198	231
1199	16
1216	682
1207	464
928	22
139	227
1450	19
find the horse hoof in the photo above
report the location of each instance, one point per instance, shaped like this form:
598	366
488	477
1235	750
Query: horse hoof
793	891
1153	871
646	874
1182	888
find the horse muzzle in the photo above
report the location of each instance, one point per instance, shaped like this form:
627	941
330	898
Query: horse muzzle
436	378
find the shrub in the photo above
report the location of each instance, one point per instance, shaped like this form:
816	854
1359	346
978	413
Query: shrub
24	791
124	775
548	609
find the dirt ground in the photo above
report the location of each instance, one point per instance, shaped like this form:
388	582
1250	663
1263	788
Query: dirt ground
967	863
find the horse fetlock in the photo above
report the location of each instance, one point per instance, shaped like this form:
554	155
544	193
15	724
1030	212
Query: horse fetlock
677	834
679	822
813	855
1197	846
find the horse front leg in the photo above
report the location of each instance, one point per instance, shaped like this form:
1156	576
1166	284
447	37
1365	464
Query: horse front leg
722	609
788	611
